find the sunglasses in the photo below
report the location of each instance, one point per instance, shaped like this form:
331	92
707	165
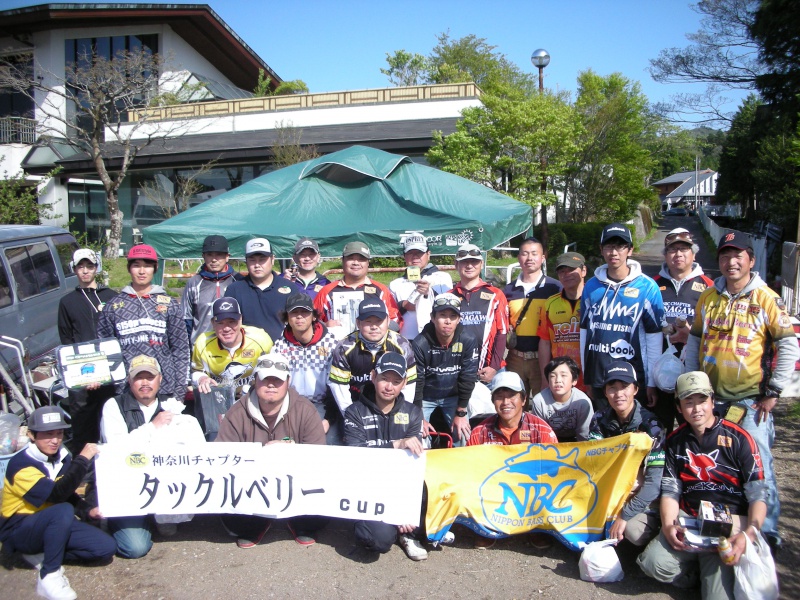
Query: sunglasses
465	253
266	363
444	301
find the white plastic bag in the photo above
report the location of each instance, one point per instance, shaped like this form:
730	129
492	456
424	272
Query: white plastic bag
667	369
599	562
756	578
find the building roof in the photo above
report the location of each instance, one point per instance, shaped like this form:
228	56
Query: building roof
198	24
685	188
676	178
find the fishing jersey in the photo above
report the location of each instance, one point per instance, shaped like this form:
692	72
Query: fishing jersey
210	358
445	371
339	302
559	323
313	286
402	288
353	362
615	319
152	325
263	308
309	364
531	430
367	426
716	467
527	330
484	314
199	295
736	338
681	296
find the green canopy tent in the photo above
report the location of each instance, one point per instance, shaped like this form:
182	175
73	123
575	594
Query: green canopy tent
357	193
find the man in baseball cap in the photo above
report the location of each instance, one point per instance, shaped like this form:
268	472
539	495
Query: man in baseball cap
303	272
737	240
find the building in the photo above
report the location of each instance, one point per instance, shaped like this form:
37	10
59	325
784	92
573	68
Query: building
690	189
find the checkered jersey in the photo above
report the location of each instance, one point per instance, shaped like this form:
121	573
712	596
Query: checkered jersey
310	363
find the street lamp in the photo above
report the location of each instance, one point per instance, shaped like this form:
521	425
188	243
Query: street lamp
540	59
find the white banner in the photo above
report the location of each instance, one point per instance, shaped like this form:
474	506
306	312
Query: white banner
278	480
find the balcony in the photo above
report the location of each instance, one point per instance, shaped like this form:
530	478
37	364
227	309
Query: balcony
17	130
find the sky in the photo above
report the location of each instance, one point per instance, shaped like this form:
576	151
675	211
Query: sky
342	45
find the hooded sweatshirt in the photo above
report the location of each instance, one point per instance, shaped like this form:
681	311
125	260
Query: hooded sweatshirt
681	295
620	321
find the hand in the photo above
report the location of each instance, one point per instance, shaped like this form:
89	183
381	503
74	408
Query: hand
681	336
427	429
89	451
95	513
205	383
93	386
412	444
652	396
409	306
163	418
486	374
674	535
326	426
461	427
406	529
763	407
738	544
618	529
333	323
287	274
423	287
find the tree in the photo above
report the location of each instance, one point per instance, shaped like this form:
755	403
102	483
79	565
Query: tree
19	201
407	69
173	197
284	88
736	184
776	28
95	102
287	149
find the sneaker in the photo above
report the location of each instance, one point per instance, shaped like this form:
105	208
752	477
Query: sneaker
412	547
34	560
483	543
166	529
54	586
243	542
542	541
302	537
449	539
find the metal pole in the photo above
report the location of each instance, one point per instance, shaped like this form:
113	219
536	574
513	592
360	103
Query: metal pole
543	190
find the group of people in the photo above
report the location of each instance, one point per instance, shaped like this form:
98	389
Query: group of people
358	363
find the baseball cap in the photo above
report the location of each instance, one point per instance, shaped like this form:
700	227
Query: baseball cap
215	243
508	379
735	239
226	308
84	253
466	251
391	361
620	370
356	248
616	230
447	301
678	235
693	382
143	362
299	300
48	418
143	252
573	260
372	307
415	241
258	246
305	243
272	365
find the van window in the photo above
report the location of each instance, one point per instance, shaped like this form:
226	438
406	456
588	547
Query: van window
6	294
33	268
65	247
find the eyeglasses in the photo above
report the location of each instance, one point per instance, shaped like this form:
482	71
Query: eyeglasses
614	247
679	249
445	301
465	253
266	363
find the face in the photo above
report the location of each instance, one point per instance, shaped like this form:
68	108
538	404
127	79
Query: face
355	266
508	405
144	386
373	329
300	320
679	257
216	261
469	268
417	258
561	381
47	442
229	331
388	385
307	260
445	322
259	266
698	410
530	258
571	278
735	265
620	396
271	390
616	253
141	271
86	271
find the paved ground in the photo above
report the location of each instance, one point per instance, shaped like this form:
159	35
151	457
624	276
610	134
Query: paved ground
202	562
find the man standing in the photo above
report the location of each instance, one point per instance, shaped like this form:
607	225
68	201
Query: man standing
559	324
306	258
262	294
78	314
447	367
707	458
421	283
207	285
484	311
622	317
337	302
354	357
739	324
526	297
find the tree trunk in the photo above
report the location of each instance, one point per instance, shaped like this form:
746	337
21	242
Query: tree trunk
115	214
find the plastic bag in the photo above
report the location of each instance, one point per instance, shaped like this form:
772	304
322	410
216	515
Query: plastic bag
9	433
599	562
756	578
667	369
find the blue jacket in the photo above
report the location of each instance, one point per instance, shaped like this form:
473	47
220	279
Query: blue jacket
262	308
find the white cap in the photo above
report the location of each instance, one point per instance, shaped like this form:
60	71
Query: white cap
258	246
272	365
84	253
467	251
415	241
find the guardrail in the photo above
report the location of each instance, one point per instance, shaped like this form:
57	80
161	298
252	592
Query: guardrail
17	130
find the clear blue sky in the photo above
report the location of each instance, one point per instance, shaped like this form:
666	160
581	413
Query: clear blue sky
342	45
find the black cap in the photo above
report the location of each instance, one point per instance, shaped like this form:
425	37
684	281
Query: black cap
616	230
620	370
391	361
305	243
226	308
48	418
372	307
215	243
735	239
299	300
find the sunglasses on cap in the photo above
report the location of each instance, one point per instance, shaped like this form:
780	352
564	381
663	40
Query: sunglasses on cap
266	363
463	253
678	237
444	301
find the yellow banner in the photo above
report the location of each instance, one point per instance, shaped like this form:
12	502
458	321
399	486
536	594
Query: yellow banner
568	490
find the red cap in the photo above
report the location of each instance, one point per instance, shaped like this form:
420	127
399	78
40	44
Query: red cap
143	252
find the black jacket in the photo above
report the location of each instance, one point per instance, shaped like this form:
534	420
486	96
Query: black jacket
78	314
445	371
366	426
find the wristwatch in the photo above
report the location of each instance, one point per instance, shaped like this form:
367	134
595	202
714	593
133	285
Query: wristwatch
772	392
461	412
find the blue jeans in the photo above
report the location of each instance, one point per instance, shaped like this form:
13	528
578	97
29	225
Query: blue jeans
132	535
448	406
764	436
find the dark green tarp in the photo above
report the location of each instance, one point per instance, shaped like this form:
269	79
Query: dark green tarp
358	193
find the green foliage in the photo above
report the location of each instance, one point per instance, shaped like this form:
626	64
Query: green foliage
19	202
262	85
293	86
407	69
586	236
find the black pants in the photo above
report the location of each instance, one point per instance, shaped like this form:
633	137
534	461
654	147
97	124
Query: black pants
86	408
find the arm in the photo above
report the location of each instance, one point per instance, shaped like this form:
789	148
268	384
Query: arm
585	414
64	324
311	429
654	343
188	303
420	357
669	523
179	349
339	378
544	358
468	374
113	427
584	335
692	354
354	432
64	487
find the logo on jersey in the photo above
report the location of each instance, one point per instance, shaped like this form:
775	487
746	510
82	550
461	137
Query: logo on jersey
622	349
702	464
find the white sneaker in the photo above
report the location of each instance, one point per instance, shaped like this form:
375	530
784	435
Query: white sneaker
449	539
54	586
34	560
412	547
